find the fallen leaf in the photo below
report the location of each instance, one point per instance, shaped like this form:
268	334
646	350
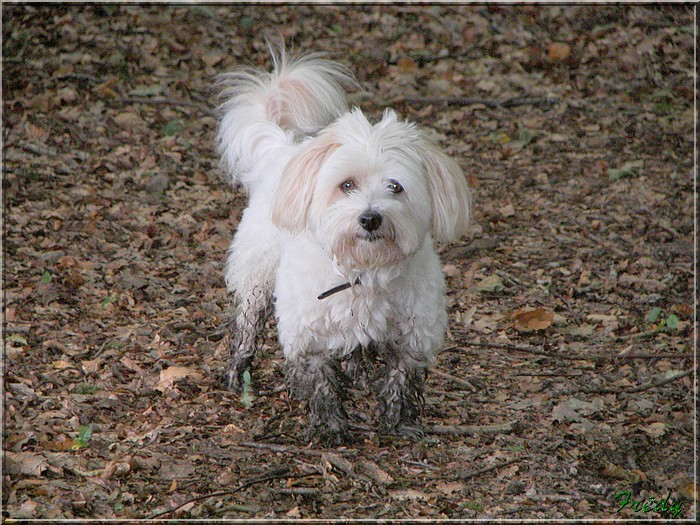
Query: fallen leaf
582	330
558	51
294	512
562	413
450	487
406	65
654	430
170	375
507	211
212	58
61	364
27	463
613	471
527	320
373	472
128	120
60	444
492	283
688	488
408	494
116	468
450	270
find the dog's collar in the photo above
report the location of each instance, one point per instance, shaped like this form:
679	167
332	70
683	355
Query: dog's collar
337	289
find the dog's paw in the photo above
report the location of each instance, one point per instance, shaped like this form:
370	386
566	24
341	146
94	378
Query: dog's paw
407	430
234	376
328	437
329	431
232	380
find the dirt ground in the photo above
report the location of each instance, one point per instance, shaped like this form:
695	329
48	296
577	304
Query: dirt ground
567	382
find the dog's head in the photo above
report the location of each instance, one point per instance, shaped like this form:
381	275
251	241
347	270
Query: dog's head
370	194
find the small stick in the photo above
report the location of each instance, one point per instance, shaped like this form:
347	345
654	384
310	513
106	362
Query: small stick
640	388
462	382
275	474
297	491
467	101
167	102
488	469
461	430
573	357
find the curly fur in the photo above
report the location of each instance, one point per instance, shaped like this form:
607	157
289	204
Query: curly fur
314	172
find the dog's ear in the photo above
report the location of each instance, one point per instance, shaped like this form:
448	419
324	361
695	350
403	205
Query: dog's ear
450	194
295	191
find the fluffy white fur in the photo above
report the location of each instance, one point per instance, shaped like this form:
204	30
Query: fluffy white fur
315	173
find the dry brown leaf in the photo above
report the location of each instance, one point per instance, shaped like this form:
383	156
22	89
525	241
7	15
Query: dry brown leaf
558	51
128	120
172	374
450	487
116	468
527	320
507	211
563	413
450	270
27	463
406	65
60	444
373	472
408	495
613	471
654	430
62	364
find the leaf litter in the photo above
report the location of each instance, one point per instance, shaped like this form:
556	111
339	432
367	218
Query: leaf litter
116	225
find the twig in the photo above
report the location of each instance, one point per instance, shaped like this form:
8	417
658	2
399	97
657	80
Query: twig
571	357
467	101
523	509
276	474
647	355
640	388
488	469
166	102
462	382
276	390
461	430
272	447
37	148
297	491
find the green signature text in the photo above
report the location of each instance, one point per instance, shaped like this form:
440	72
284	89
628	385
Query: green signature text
624	499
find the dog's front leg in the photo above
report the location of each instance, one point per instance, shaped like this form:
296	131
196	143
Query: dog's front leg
401	395
318	380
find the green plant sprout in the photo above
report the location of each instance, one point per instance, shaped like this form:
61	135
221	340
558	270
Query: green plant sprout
670	321
246	397
84	435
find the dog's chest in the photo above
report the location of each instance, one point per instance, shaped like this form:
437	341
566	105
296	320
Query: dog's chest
362	315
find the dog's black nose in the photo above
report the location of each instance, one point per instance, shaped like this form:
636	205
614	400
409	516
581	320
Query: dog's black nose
370	220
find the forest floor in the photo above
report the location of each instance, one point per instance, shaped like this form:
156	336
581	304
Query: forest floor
567	381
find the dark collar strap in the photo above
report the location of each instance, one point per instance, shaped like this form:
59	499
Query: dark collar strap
337	289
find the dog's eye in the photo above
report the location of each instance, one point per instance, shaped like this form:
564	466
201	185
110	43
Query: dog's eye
395	187
348	186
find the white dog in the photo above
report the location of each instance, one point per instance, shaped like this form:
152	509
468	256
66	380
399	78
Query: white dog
339	229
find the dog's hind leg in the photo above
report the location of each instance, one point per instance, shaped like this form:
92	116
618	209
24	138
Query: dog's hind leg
250	279
249	313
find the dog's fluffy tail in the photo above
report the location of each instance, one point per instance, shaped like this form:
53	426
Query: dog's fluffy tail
267	109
